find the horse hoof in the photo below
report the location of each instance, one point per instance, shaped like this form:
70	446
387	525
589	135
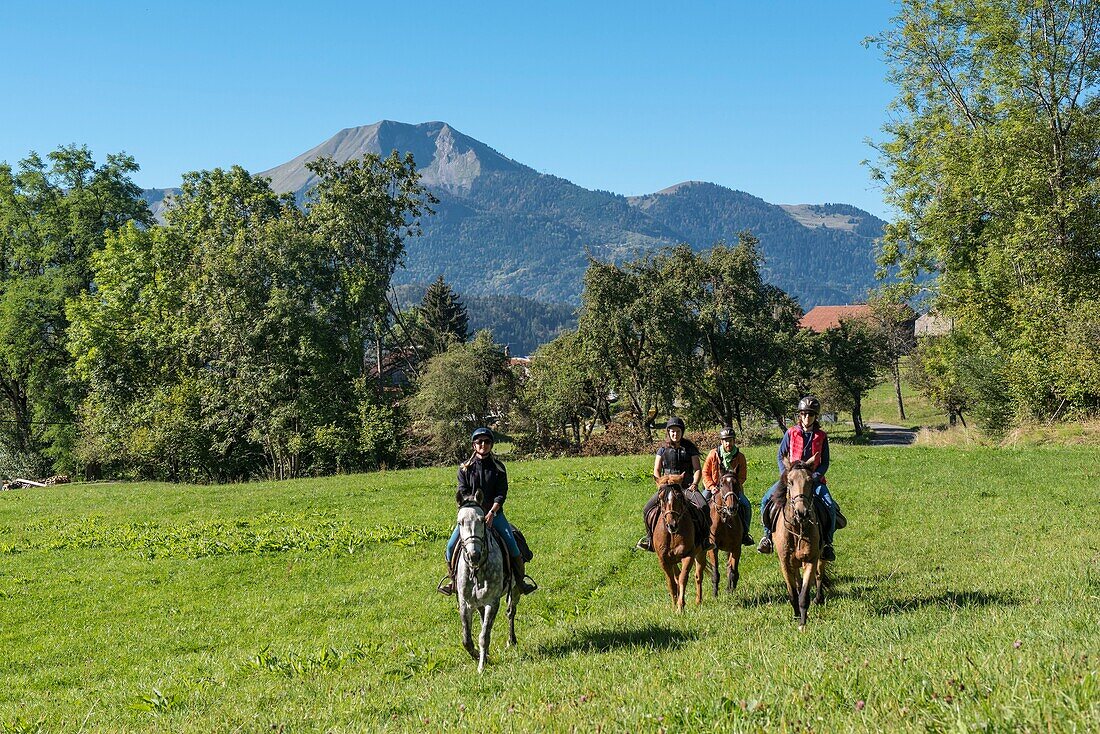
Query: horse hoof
801	628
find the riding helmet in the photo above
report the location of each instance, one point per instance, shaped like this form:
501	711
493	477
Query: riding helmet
727	432
811	404
675	422
482	433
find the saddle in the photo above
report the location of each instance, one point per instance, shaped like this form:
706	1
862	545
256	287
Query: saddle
696	514
772	510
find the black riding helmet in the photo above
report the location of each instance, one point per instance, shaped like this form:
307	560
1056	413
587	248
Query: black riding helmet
482	433
727	432
675	422
811	404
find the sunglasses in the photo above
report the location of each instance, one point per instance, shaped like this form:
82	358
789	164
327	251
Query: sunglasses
806	412
483	440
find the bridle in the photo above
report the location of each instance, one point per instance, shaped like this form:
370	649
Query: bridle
666	491
725	511
474	539
796	519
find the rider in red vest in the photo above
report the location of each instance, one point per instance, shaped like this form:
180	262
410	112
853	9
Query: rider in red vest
801	442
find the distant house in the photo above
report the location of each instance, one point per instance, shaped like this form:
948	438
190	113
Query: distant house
932	324
821	318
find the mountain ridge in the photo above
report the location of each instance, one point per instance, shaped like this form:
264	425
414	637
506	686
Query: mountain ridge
502	227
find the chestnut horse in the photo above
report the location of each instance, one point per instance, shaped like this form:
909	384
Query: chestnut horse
674	540
725	529
798	536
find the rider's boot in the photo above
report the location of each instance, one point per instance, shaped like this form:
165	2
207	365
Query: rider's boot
447	583
646	543
765	544
827	553
746	539
518	572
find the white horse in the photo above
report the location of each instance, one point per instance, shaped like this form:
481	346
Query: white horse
481	582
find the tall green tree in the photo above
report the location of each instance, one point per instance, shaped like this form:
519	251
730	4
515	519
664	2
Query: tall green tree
467	386
365	209
848	359
748	345
990	161
54	216
640	334
563	393
443	318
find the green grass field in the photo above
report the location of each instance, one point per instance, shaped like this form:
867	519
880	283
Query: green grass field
966	599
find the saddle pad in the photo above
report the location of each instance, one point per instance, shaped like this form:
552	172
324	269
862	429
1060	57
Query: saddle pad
771	512
524	549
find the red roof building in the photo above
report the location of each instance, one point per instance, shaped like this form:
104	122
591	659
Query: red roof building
821	318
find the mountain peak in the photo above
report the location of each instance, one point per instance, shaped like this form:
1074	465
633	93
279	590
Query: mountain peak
445	157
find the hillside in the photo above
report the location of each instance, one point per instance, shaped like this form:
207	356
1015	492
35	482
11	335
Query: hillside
309	606
503	228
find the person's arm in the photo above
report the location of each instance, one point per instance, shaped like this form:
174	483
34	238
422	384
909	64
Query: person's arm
501	489
822	461
697	472
784	449
657	466
742	469
710	480
464	492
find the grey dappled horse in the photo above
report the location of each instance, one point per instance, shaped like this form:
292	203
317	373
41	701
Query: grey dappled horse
481	582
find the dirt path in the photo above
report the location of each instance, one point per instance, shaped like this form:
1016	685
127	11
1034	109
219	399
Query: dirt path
890	435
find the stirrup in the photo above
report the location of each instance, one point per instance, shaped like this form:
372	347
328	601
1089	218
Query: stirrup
525	587
746	539
446	586
765	545
645	544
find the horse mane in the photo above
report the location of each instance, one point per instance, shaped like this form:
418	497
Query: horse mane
668	479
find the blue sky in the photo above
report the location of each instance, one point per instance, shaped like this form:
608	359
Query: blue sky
774	98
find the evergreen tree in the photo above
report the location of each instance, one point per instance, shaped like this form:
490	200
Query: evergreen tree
443	318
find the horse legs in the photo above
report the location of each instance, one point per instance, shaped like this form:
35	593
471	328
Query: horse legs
466	612
819	597
714	571
685	574
513	600
699	569
733	573
487	616
808	574
668	565
791	579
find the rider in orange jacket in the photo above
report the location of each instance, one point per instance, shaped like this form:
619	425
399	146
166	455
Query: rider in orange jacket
727	457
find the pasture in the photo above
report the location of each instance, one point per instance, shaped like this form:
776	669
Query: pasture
966	598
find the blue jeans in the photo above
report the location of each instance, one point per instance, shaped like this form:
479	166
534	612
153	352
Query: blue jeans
745	512
500	524
819	491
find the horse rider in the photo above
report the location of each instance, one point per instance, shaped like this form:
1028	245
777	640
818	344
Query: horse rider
482	479
802	441
727	458
678	456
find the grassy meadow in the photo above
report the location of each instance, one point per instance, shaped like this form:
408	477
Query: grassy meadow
966	599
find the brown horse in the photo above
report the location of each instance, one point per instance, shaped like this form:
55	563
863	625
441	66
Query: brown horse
726	530
798	537
674	540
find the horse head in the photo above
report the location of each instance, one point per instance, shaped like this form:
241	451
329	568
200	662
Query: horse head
728	495
472	533
670	496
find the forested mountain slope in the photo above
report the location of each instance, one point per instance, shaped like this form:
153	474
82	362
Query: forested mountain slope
503	228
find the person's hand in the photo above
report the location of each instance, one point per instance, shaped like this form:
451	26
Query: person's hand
489	517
